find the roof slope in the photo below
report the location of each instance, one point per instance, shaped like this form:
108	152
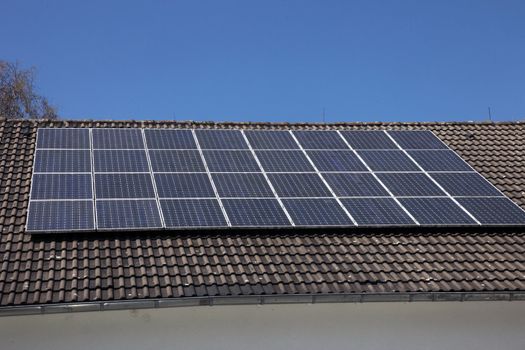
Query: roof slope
163	265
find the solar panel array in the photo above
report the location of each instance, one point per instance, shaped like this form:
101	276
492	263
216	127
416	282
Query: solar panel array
133	179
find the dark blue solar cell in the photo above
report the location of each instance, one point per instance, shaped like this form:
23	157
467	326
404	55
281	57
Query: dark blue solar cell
299	185
336	161
376	211
320	140
117	139
124	186
355	185
63	138
61	186
271	140
127	214
123	161
368	139
169	139
242	185
316	212
494	211
436	211
255	212
465	184
183	185
192	213
421	139
176	161
60	216
388	161
439	161
410	184
231	161
221	139
284	161
62	161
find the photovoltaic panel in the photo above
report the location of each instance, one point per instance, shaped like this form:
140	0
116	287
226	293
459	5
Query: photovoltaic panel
417	140
316	212
284	161
368	140
183	186
117	139
61	186
299	185
494	211
271	139
436	211
376	211
231	161
388	161
56	216
320	140
62	161
242	185
120	161
176	161
255	212
63	138
336	161
221	139
169	139
192	213
124	186
127	214
410	184
439	161
465	184
355	185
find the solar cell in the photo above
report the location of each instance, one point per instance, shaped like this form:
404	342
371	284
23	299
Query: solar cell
242	185
176	161
320	140
355	185
388	161
299	185
127	214
255	212
439	161
62	161
192	213
120	161
336	161
284	161
56	216
410	184
124	186
183	185
316	212
61	186
376	211
465	184
271	139
436	211
63	138
169	139
422	139
368	139
117	139
494	211
221	139
231	161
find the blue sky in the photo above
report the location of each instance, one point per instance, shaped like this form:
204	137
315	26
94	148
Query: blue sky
273	60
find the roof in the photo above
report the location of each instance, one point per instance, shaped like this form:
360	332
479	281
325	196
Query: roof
138	266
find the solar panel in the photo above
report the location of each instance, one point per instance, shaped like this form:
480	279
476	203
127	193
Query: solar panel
299	185
368	140
127	214
192	213
422	139
231	161
439	161
221	139
62	161
271	139
494	211
184	186
176	161
61	186
376	211
336	161
169	139
63	138
122	161
124	186
55	216
410	184
255	212
461	184
117	139
242	185
355	185
316	212
388	161
284	161
436	211
320	140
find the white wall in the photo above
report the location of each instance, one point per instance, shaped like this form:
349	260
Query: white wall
439	325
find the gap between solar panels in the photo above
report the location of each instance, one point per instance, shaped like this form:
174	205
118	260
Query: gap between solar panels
142	179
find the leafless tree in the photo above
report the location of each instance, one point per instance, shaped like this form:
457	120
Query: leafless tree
18	98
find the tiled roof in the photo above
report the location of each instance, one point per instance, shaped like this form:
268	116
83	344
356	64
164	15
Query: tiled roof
144	265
